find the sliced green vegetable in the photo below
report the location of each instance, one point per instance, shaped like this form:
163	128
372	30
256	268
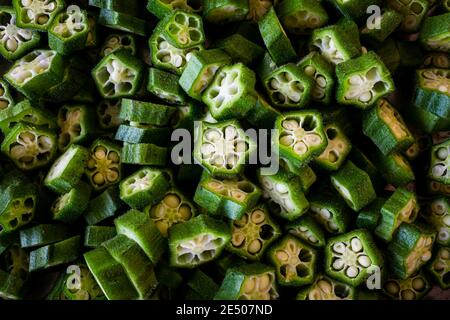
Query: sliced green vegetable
164	85
308	230
122	21
440	267
369	217
70	206
337	150
94	236
104	206
36	15
330	211
240	49
437	214
224	11
301	16
325	288
118	41
43	234
413	288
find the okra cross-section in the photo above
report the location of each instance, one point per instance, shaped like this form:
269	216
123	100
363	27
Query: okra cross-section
352	257
301	16
197	241
13	272
118	41
183	30
141	112
307	229
413	12
413	288
161	8
164	85
437	214
108	114
325	288
435	34
440	267
330	211
224	11
337	150
440	162
253	233
6	100
36	14
433	91
70	206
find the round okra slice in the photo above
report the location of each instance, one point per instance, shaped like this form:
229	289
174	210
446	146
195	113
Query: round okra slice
307	230
354	186
146	112
300	136
330	212
440	267
118	75
394	167
412	288
295	262
263	115
37	14
104	206
402	206
410	248
122	21
249	282
67	170
108	114
369	217
162	8
389	22
164	85
183	29
103	166
433	91
144	154
83	288
117	41
337	150
43	234
197	241
143	134
223	148
413	12
437	214
436	60
301	16
172	209
240	49
257	9
144	187
253	233
224	11
325	288
439	162
15	41
351	257
6	100
384	125
422	143
306	174
70	206
29	147
230	95
94	236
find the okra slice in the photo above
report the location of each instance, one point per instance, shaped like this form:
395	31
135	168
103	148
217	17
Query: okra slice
258	8
354	186
330	211
43	234
36	14
325	288
55	254
413	12
122	21
172	209
224	11
369	217
141	229
433	91
230	95
146	112
202	286
295	262
183	29
337	150
384	125
389	22
164	85
130	7
144	154
29	147
108	114
67	170
437	214
118	41
283	189
230	197
6	100
136	264
394	168
412	288
363	80
300	136
306	174
143	134
354	9
436	60
410	248
240	49
351	257
439	188
249	282
104	206
427	121
118	75
103	166
402	206
263	115
197	241
307	229
70	206
253	233
301	16
94	236
440	267
275	38
161	8
15	41
36	72
13	272
200	71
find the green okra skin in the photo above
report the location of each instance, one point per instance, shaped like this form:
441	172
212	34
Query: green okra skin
308	230
390	55
118	41
439	159
11	287
326	288
427	121
146	112
143	134
161	8
306	174
6	240
43	234
36	16
6	100
253	233
224	11
141	229
369	217
240	49
422	142
135	262
104	206
275	38
144	154
412	288
254	281
340	117
413	13
183	29
70	206
300	17
94	236
108	114
16	41
389	21
437	214
351	257
362	161
394	168
164	85
185	116
265	66
122	21
203	285
354	186
337	150
67	170
263	115
110	275
432	92
410	248
440	266
130	7
355	9
384	125
295	262
55	254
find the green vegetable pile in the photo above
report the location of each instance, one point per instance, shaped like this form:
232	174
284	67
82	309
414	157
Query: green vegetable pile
354	100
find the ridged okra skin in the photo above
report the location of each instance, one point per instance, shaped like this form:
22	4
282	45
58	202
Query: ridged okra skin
144	154
439	161
308	230
432	92
413	12
122	21
306	174
43	234
240	49
390	20
394	167
369	217
142	112
130	7
437	214
224	11
355	9
161	8
164	85
412	288
202	285
143	134
94	236
301	16
13	272
36	15
70	206
108	114
326	288
439	267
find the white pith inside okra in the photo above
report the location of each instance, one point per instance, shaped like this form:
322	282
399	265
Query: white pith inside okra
228	87
69	123
31	148
318	91
437	79
335	148
350	256
103	166
325	289
70	24
167	53
205	78
279	193
420	254
406	289
365	87
116	77
328	49
260	287
114	42
186	29
300	135
4	103
11	36
440	165
294	261
108	112
201	248
38	11
31	65
326	218
60	202
285	89
440	216
391	117
236	189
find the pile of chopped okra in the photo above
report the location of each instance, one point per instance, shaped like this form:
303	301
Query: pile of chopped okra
224	149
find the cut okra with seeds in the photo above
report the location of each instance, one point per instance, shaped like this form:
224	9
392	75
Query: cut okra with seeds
161	8
413	288
440	267
437	214
337	150
325	288
118	41
301	16
224	11
182	29
36	14
433	91
307	229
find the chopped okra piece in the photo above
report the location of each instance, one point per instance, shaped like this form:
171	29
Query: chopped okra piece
36	14
144	154
13	272
146	112
143	134
300	136
118	75
369	217
67	170
389	21
173	208
427	121
230	197
70	206
55	254
128	7
275	38
301	16
412	288
439	188
202	285
295	262
6	100
94	236
161	8
325	288
384	125
433	91
122	21
307	229
410	248
330	211
141	229
258	8
363	80
164	85
183	29
118	41
401	207
354	186
354	9
15	41
43	234
437	214
253	233
440	267
104	206
197	241
394	168
108	114
29	147
338	148
231	93
351	257
240	49
249	282
263	115
413	12
224	11
306	174
436	60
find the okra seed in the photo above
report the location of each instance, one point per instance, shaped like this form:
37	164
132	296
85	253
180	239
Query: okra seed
249	285
443	235
185	212
237	239
418	284
264	282
408	294
442	153
114	157
290	124
352	272
162	226
426	256
364	261
99	179
321	81
300	148
325	214
258	216
172	201
338	264
282	256
445	254
339	247
439	266
310	71
42	19
100	153
392	288
281	188
325	286
439	170
91	163
254	246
